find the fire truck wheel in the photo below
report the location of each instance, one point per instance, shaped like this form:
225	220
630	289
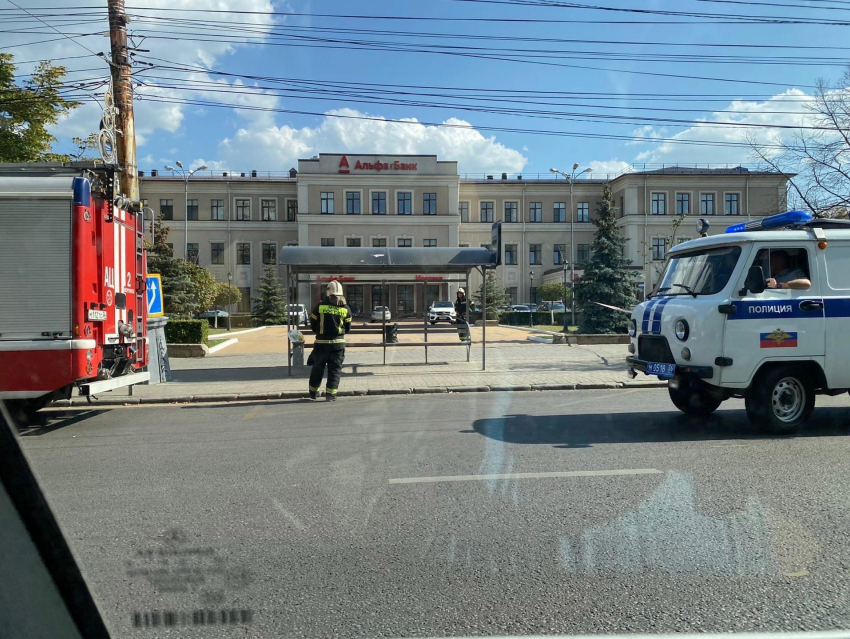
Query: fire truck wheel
694	401
780	399
22	411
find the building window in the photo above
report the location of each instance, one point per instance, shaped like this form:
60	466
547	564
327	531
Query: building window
291	210
706	204
379	203
732	204
379	242
533	291
511	212
243	210
559	212
583	212
510	254
659	204
217	209
327	241
217	253
560	255
429	204
352	202
192	252
192	209
535	256
327	200
244	305
683	203
404	203
166	209
353	242
535	212
243	253
404	242
268	210
512	294
487	212
659	248
429	243
463	208
269	253
582	253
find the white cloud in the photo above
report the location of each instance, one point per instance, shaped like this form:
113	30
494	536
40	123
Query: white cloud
272	147
608	167
792	105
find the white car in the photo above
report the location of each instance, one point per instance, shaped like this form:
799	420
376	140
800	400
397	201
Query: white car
298	314
442	312
381	314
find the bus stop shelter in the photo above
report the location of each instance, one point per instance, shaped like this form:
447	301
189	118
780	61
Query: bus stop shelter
307	265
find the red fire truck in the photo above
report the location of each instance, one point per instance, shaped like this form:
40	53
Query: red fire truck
72	285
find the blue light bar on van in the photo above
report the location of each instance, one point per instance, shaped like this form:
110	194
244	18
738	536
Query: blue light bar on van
790	218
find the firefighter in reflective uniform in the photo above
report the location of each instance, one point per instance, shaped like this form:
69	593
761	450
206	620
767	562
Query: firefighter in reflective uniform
330	321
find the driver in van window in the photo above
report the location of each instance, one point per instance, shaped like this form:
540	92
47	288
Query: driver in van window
783	276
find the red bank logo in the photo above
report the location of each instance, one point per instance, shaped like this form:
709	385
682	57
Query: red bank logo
343	165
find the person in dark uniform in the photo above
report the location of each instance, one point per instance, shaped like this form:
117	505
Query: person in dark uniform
460	306
330	320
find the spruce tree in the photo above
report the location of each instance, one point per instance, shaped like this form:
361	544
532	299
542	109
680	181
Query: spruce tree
269	307
606	277
179	292
496	295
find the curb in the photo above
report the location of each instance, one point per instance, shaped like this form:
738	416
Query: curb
426	390
221	345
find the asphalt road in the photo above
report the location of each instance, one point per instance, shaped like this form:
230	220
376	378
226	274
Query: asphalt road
370	516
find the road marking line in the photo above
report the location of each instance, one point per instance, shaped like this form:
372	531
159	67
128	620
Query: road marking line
571	473
290	516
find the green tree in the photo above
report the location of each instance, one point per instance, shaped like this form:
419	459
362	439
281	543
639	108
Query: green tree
227	295
496	294
205	286
269	307
179	293
28	109
606	277
553	293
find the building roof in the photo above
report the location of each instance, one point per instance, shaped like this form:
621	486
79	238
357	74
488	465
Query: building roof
349	260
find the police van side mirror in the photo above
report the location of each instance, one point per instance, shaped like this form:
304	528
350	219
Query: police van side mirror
754	282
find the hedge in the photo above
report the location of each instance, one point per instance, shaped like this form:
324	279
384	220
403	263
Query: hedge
186	331
519	318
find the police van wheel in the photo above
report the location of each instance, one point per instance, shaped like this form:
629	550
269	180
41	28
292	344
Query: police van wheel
693	401
780	400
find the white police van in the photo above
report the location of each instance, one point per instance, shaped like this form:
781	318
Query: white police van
761	312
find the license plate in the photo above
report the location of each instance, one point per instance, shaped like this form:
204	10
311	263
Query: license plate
662	370
95	315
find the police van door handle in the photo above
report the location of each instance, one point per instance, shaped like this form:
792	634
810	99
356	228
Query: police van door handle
811	305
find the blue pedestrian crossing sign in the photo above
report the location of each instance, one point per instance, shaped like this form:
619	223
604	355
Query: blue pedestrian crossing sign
154	299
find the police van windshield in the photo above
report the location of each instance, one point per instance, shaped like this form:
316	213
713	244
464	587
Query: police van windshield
699	272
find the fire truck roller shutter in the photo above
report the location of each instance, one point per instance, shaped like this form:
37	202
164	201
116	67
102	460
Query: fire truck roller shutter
35	267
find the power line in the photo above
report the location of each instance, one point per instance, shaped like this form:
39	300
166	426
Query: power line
55	29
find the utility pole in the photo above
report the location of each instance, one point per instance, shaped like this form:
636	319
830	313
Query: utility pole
123	92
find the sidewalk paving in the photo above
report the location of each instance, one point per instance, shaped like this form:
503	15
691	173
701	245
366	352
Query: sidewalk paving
258	371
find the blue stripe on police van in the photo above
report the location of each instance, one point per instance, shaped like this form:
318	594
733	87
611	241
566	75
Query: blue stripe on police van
644	327
837	306
655	326
779	309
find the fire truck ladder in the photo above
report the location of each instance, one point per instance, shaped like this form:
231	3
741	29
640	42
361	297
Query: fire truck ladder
141	302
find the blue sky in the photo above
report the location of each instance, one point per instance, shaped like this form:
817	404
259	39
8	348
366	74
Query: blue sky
241	139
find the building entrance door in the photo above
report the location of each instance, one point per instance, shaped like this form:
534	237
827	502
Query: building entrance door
405	300
432	294
354	297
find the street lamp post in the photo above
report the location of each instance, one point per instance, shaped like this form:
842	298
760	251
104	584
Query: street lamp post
572	178
530	300
566	327
185	176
